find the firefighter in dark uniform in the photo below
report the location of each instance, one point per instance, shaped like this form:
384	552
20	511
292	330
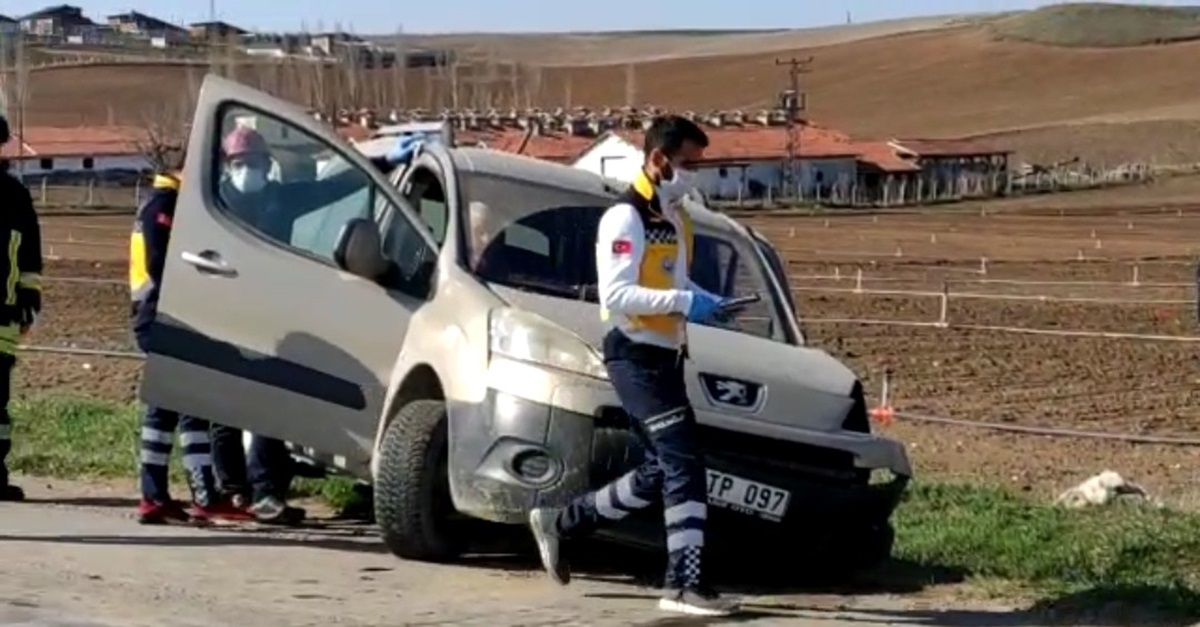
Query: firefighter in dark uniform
147	258
22	270
643	251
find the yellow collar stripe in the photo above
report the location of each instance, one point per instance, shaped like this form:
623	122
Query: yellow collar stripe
643	186
164	181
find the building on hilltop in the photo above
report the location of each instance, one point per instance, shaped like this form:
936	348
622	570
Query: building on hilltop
160	33
215	31
9	26
60	21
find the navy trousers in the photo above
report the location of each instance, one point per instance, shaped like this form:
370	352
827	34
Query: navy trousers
6	369
267	471
158	431
649	381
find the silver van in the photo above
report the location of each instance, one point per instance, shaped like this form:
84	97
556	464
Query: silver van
435	333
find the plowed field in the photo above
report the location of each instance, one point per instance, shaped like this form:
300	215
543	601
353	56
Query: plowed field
1055	273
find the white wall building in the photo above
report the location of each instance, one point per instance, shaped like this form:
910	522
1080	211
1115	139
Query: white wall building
728	177
36	165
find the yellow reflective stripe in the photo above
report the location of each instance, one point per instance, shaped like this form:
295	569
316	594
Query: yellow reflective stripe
643	186
139	274
31	281
14	269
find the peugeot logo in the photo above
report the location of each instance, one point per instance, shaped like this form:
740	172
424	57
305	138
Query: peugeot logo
732	393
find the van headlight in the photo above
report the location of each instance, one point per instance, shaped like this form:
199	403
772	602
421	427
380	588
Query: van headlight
528	337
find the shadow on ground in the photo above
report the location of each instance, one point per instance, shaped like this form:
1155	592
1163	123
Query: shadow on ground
108	502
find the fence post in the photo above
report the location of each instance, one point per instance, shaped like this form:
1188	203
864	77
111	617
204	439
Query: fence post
1136	280
858	288
942	316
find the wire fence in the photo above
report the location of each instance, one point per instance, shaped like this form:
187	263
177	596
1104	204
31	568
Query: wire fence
913	415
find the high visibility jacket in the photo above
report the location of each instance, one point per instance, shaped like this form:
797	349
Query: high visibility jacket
21	265
148	249
643	252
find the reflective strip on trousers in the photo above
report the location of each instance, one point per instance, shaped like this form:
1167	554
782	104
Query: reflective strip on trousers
618	506
150	434
152	458
191	438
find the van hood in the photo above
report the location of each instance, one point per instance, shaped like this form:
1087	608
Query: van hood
730	373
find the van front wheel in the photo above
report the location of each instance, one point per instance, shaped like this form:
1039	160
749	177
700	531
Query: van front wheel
413	507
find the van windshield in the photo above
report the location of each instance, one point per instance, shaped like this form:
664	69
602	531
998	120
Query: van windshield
543	239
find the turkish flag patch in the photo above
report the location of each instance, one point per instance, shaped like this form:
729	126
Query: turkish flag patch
622	247
162	219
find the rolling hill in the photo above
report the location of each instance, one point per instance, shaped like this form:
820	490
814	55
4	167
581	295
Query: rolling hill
1009	78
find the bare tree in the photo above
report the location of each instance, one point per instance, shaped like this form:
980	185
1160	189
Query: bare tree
400	71
164	135
567	104
533	86
630	85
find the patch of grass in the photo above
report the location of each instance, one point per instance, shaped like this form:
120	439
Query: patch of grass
79	438
1122	553
1098	25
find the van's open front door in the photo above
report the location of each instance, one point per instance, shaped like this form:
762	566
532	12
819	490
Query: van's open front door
257	327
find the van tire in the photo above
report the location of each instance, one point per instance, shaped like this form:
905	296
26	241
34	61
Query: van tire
412	488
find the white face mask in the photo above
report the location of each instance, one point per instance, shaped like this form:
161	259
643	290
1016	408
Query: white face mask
681	182
247	180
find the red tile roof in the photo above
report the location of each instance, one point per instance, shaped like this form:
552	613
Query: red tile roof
762	143
883	156
950	147
83	141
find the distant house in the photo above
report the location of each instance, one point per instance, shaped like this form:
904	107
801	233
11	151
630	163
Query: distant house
145	26
9	26
57	21
332	43
215	31
273	45
741	162
42	151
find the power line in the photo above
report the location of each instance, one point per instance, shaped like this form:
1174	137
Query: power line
793	102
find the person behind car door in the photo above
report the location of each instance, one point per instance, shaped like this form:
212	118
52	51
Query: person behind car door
22	294
259	478
643	250
147	257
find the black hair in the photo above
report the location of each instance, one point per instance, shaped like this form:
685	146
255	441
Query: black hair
668	133
5	132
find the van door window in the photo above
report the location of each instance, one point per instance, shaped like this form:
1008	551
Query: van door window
287	186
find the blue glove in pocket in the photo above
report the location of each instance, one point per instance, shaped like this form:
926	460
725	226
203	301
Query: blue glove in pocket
703	307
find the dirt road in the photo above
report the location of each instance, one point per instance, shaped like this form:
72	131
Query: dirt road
72	558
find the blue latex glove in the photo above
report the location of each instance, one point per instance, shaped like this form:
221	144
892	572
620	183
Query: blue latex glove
703	307
404	149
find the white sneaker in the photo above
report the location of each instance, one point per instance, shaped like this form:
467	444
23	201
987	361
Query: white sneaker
698	603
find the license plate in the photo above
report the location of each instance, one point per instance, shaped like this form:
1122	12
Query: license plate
747	497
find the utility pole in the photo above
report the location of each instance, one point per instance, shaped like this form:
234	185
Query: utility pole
793	101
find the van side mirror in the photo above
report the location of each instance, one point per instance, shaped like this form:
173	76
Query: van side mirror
359	250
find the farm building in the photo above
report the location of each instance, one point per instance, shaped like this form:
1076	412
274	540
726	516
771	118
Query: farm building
159	32
742	161
59	21
956	169
92	151
215	31
9	26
